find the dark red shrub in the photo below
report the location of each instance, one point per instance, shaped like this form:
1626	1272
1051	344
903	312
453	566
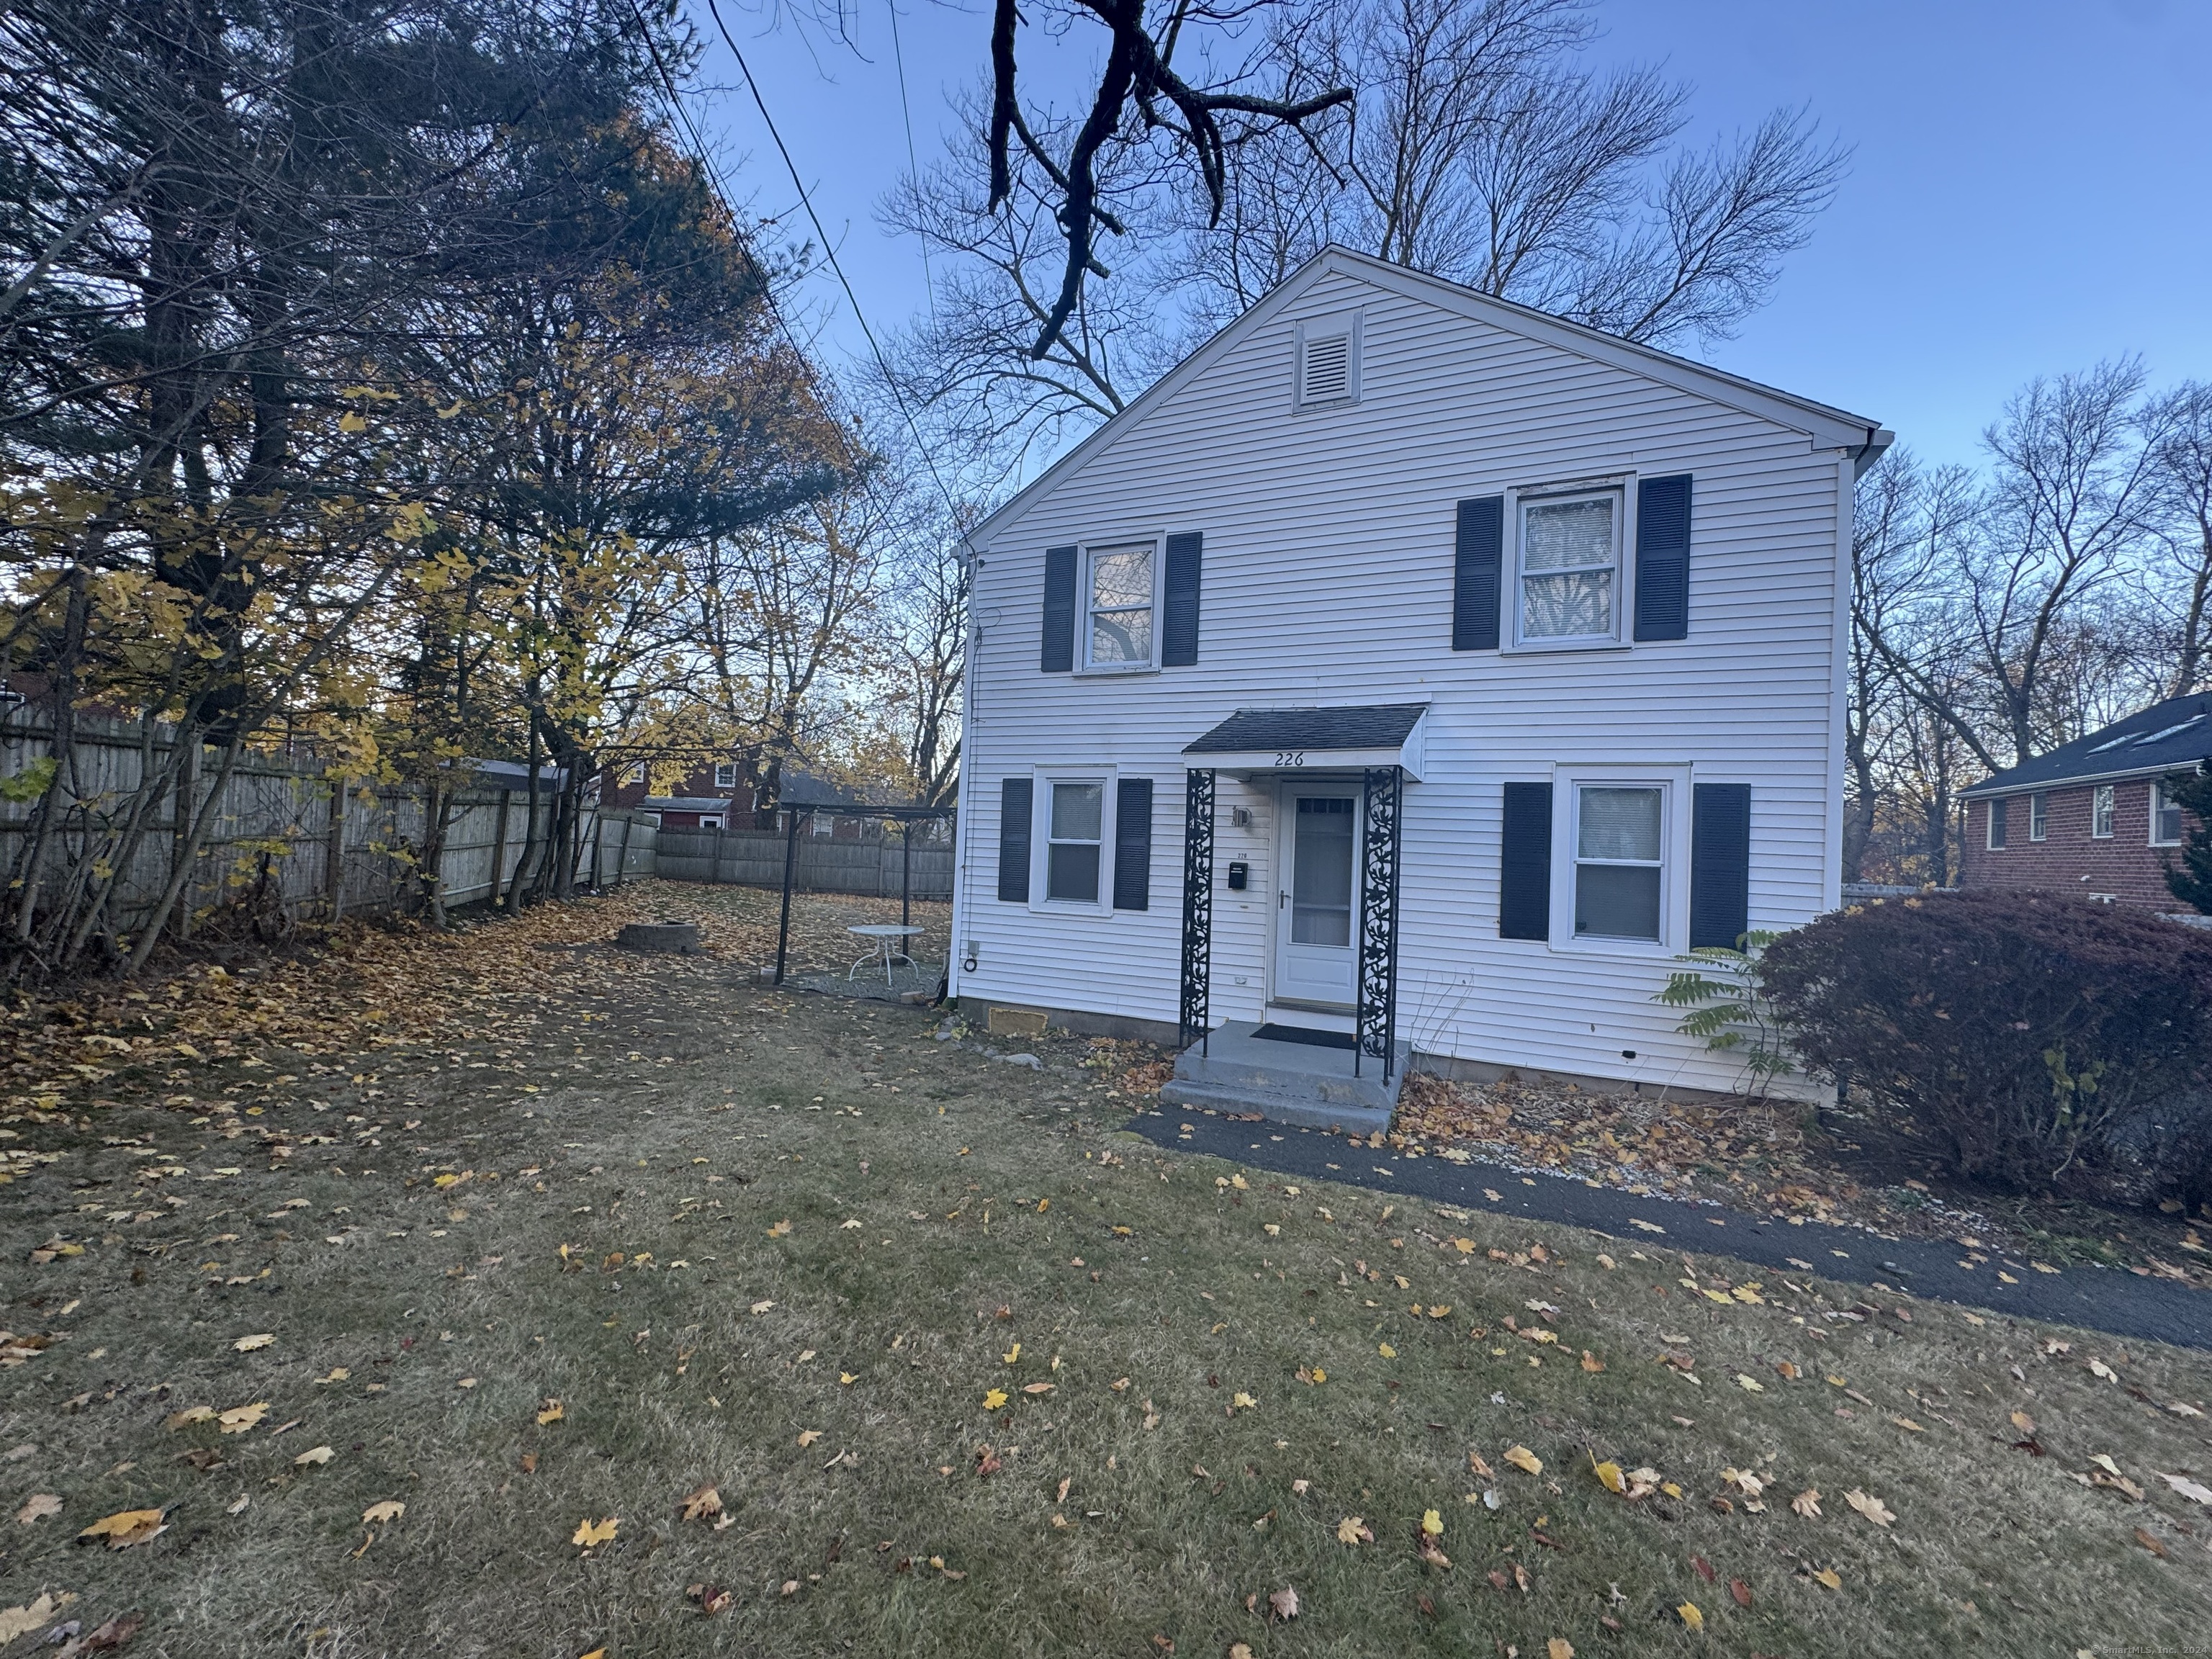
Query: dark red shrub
2029	1036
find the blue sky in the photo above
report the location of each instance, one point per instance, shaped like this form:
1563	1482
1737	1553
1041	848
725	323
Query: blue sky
2029	192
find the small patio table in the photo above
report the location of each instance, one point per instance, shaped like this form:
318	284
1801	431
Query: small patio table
889	940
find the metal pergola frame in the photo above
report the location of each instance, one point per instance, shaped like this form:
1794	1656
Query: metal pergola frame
905	817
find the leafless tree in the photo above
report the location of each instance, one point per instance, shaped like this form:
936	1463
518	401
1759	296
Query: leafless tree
1481	148
2182	582
991	399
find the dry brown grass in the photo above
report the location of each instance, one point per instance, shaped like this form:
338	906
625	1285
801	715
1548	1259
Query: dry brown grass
690	1338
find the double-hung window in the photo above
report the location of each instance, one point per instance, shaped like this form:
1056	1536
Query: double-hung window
1999	827
725	774
2164	816
1569	578
2100	812
1620	862
1075	823
2038	816
1120	586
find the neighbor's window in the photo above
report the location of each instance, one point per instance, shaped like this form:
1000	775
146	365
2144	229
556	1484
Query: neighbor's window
2164	817
1997	837
1072	841
2100	812
1120	631
725	774
2038	816
1620	862
637	773
1570	567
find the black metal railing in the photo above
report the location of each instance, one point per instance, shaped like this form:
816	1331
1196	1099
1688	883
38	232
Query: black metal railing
1192	1011
1374	1020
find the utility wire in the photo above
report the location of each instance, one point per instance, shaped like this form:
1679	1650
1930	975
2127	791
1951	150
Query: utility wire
707	171
913	162
829	252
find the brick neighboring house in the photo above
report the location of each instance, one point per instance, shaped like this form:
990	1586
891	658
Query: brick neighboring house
2092	817
715	796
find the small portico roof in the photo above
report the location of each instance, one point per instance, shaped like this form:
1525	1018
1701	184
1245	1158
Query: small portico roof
1355	735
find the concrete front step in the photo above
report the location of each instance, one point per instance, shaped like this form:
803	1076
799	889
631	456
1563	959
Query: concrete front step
1278	1107
1304	1084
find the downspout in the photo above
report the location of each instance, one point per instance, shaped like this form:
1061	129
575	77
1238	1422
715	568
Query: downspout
960	954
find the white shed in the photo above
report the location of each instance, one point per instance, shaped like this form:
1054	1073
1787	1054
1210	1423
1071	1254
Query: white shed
1406	670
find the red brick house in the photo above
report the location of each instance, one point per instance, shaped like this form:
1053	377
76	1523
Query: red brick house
715	796
2092	817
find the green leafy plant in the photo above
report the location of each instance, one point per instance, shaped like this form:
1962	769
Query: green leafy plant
2191	881
33	781
1730	1009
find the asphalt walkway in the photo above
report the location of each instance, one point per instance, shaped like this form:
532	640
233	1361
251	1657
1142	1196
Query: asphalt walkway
1940	1270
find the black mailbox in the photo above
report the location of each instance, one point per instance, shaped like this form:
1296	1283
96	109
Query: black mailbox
1239	875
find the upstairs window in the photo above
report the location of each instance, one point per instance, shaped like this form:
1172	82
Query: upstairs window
1620	862
2100	812
1074	829
725	775
1118	629
1329	361
2038	816
636	772
1569	569
2164	817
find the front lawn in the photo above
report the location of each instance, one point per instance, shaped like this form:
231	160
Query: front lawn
968	1370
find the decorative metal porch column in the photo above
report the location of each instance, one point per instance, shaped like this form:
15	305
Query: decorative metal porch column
1375	1017
1192	1013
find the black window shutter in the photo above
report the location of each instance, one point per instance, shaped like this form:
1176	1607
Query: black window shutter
1524	907
1133	844
1016	797
1662	558
1058	656
1179	623
1720	865
1478	574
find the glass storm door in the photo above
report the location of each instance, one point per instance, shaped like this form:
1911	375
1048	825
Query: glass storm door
1316	923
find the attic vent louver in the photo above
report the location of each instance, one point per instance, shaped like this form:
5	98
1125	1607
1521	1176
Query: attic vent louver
1328	360
1328	368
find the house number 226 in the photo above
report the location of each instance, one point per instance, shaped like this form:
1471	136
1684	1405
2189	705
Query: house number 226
1290	757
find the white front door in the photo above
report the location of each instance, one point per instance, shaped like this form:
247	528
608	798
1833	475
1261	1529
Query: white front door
1316	919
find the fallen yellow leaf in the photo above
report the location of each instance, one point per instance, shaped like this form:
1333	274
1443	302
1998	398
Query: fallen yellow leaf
1609	1476
377	1514
40	1504
1559	1648
1432	1523
1690	1616
781	1229
189	1415
1829	1577
702	1503
1386	1350
126	1527
1873	1508
1244	1400
551	1412
338	1374
588	1534
995	1399
1353	1530
807	1437
22	1621
1591	1363
239	1419
1521	1458
248	1343
315	1455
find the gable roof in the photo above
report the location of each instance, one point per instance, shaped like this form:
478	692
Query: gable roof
1826	426
2174	736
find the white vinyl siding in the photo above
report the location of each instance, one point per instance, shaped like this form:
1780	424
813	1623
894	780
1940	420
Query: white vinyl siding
1328	579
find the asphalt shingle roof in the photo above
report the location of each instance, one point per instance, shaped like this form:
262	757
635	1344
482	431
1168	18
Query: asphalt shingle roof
2174	736
1382	725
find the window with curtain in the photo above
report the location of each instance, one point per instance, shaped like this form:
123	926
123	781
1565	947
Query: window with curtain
1619	861
2100	812
1075	823
1570	567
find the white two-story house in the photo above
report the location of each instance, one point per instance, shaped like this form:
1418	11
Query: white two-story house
1408	670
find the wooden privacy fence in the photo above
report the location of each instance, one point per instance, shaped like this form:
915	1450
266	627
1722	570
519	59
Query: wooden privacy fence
821	864
282	829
